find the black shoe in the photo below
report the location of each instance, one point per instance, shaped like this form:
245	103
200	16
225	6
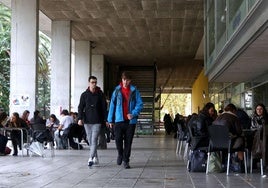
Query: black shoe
119	160
126	165
90	163
15	154
108	140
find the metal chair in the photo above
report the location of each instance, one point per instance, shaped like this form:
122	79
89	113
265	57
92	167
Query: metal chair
220	140
194	142
258	132
181	137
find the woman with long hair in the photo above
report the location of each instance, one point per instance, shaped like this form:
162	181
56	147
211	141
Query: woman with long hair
16	122
259	122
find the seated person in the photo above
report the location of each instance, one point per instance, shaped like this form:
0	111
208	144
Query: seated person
39	131
230	119
75	131
3	138
17	122
52	123
199	125
3	143
65	121
4	119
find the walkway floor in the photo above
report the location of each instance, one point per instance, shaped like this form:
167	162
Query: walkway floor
153	161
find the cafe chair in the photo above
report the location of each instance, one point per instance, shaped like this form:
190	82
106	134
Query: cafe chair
194	142
220	140
181	138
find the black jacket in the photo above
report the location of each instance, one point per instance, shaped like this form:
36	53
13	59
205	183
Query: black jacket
202	123
92	107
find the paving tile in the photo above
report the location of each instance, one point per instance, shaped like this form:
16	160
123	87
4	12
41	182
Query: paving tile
153	161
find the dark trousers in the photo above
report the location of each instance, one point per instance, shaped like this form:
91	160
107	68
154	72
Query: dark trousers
124	133
16	140
3	143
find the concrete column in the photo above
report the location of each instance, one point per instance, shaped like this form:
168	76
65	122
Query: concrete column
60	67
24	53
81	71
98	69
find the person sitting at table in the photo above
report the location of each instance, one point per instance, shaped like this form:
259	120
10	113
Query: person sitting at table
25	116
37	119
17	122
52	123
4	119
259	122
65	121
229	118
3	138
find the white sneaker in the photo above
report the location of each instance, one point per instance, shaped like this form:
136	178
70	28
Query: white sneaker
96	160
90	162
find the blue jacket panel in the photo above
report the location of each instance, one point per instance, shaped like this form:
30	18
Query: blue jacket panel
115	114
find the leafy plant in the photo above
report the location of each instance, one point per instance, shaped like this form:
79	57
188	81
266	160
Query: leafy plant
43	76
5	28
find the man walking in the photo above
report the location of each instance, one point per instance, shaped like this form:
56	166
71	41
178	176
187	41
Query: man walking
125	106
92	113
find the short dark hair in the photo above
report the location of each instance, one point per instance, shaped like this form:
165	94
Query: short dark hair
230	108
65	112
126	75
92	77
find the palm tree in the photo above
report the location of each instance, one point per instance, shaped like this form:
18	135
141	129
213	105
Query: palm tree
5	28
43	79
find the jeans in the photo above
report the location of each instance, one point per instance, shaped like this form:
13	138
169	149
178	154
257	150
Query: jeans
61	142
124	133
92	131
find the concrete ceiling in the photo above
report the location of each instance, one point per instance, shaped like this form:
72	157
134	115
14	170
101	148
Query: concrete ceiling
250	64
138	32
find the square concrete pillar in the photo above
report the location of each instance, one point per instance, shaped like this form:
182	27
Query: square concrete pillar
60	67
24	55
81	71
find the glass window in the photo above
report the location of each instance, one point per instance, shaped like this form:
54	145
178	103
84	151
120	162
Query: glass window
211	27
260	95
236	14
251	3
221	23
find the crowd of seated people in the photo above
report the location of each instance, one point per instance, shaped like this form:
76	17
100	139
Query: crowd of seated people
56	128
242	130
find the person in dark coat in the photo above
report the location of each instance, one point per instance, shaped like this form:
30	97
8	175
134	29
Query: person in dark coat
92	112
3	138
205	117
259	121
229	118
199	124
17	122
168	123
